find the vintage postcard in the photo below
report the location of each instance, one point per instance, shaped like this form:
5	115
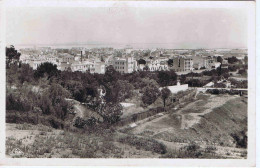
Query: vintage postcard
128	83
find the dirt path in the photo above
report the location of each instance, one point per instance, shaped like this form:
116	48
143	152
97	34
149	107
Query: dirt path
79	111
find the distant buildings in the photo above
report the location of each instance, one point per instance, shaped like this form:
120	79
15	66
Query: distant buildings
96	60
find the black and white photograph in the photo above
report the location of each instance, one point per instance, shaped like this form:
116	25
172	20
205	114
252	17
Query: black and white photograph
128	80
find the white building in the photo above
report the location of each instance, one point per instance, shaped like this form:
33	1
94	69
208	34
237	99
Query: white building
177	88
100	67
125	65
35	63
83	66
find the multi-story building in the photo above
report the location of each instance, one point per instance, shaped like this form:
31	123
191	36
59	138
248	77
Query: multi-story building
182	63
52	60
199	62
100	67
124	65
210	62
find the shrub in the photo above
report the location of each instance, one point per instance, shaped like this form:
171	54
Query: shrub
144	143
210	149
240	139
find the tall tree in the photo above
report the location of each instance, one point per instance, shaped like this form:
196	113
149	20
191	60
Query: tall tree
11	55
165	94
246	59
150	94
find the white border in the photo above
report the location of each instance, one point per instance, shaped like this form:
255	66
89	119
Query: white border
140	162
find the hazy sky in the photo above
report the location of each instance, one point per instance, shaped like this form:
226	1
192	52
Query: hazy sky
175	27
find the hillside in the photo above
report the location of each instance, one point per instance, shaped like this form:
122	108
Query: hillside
218	128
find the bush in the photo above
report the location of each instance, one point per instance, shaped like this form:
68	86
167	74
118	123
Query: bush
144	143
240	139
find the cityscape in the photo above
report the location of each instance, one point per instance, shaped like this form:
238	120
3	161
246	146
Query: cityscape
163	84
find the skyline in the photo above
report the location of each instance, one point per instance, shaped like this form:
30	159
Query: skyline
142	27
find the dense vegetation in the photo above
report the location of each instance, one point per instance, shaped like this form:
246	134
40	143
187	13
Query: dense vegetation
37	95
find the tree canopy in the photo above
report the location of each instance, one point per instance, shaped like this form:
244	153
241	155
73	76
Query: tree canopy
165	94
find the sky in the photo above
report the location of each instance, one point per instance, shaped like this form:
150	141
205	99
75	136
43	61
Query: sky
154	27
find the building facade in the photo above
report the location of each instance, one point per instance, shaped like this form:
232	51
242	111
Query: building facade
181	64
124	65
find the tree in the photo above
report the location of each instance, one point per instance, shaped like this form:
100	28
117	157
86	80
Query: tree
11	55
165	94
246	59
232	60
146	68
219	59
46	68
112	112
242	72
146	82
111	75
195	83
25	73
141	61
53	101
150	94
125	89
170	62
167	78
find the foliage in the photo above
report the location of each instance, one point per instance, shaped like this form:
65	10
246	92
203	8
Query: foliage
246	60
167	78
242	72
12	55
219	59
66	144
26	73
125	89
81	123
46	68
144	143
240	139
232	60
195	83
53	101
111	113
232	68
141	61
165	94
150	94
239	84
219	85
170	62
